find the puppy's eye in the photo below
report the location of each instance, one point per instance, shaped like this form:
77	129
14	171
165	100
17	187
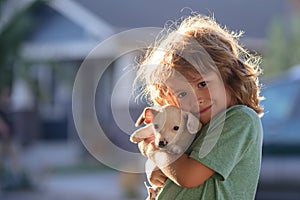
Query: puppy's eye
176	128
155	126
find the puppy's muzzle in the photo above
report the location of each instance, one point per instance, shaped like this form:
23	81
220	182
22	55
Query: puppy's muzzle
162	144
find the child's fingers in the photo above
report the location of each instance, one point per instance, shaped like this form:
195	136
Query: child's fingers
161	180
158	182
157	178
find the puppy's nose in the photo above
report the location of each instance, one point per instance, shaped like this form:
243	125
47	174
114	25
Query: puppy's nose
162	144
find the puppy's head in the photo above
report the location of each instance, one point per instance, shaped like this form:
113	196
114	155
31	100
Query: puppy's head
168	122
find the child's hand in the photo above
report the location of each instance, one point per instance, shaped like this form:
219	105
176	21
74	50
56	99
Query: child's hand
156	177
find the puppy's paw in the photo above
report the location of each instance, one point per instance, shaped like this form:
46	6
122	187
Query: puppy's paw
152	192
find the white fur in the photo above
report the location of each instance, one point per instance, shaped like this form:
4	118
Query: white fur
166	118
162	127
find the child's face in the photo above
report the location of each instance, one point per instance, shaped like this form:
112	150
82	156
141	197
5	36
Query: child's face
204	96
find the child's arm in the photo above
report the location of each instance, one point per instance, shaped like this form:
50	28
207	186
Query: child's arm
183	170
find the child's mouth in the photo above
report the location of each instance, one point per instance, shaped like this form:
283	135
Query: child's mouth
205	109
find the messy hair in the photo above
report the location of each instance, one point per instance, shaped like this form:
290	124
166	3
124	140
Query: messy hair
199	45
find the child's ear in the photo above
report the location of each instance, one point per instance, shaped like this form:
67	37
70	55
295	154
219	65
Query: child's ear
147	116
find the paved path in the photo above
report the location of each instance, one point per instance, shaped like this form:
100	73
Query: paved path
88	186
83	185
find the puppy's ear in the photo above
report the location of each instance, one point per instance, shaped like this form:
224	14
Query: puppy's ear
147	116
142	133
193	123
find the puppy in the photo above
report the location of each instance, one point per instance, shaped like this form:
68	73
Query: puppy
173	128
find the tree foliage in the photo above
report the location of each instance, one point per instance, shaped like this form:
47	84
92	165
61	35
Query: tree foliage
12	35
283	46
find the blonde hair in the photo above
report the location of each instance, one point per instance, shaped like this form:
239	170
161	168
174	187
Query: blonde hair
199	44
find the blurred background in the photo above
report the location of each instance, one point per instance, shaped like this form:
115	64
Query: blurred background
42	46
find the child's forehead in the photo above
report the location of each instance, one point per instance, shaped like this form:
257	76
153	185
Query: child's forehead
180	82
196	76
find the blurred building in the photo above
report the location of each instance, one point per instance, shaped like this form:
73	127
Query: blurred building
65	32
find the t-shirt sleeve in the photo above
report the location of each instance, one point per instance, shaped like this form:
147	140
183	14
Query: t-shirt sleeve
223	145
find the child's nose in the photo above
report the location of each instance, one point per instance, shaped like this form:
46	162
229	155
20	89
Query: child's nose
200	101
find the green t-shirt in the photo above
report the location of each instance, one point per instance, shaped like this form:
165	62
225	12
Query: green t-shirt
230	145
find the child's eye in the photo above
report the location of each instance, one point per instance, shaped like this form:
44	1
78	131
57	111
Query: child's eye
181	94
202	84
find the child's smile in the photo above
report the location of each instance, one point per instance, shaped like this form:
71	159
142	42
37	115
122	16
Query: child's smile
202	111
